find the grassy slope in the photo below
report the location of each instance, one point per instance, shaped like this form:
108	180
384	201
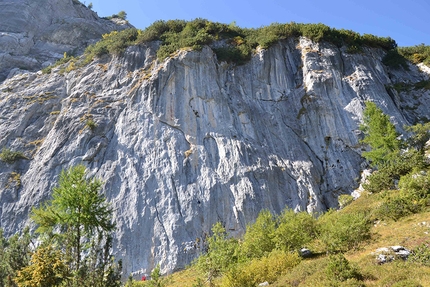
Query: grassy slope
409	232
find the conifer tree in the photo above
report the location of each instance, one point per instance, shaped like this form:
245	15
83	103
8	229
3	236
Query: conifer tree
78	219
381	135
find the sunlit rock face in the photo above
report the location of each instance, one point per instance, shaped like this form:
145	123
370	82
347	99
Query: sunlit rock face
34	34
189	141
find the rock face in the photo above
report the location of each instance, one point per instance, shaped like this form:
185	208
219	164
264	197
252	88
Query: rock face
187	142
34	34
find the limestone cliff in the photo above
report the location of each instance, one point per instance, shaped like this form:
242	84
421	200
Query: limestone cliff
33	34
183	143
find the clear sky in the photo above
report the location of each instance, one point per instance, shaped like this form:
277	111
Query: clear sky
407	22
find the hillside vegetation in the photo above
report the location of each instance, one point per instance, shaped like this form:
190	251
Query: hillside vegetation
396	212
238	44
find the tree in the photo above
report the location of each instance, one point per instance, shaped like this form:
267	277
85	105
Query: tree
79	219
122	15
420	135
222	253
156	279
14	255
381	135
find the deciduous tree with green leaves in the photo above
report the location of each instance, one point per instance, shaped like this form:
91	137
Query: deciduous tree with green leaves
79	220
222	253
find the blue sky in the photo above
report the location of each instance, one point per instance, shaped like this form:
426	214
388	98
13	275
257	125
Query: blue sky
407	22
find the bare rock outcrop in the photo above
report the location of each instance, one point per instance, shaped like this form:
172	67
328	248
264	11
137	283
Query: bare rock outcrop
34	34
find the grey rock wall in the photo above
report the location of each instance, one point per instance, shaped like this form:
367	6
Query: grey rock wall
34	34
187	142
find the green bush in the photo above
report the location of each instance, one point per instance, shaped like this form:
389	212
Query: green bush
122	15
221	254
379	180
388	173
15	253
267	268
258	238
343	231
10	156
344	200
398	205
421	254
156	279
91	124
395	60
294	230
240	42
417	185
113	43
416	54
339	269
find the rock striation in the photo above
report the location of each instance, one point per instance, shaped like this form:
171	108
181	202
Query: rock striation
189	141
34	34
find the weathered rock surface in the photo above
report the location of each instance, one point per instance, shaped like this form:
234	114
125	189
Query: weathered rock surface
187	142
387	254
34	34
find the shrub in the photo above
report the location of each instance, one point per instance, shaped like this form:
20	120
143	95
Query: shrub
380	180
294	230
15	253
421	254
395	60
122	15
416	54
66	58
91	124
398	205
339	269
221	254
156	279
47	268
112	43
417	185
258	239
345	199
343	231
267	268
315	32
420	135
240	43
388	173
10	156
